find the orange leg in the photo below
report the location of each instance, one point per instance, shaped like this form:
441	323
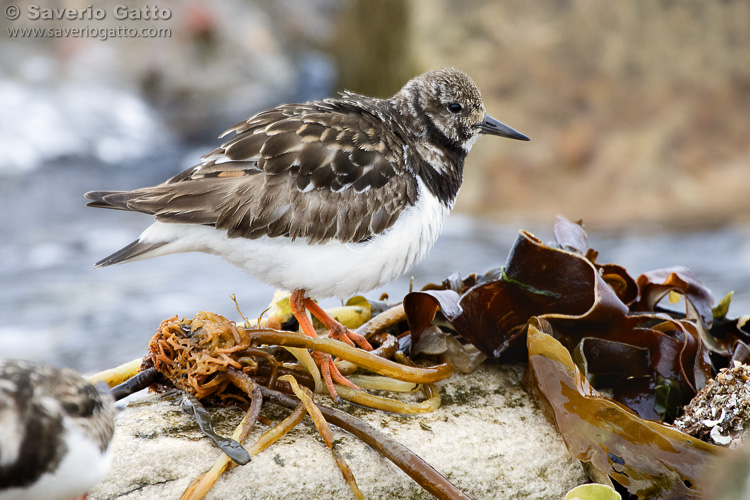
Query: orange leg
327	368
335	329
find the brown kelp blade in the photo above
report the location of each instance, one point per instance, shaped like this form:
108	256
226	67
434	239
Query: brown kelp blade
581	299
650	459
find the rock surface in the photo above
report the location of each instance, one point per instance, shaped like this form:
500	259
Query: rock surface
488	437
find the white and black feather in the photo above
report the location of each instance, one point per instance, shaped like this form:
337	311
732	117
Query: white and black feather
55	429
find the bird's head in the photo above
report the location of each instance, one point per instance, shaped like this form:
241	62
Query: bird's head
447	106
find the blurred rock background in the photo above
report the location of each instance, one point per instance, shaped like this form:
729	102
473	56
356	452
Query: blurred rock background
638	113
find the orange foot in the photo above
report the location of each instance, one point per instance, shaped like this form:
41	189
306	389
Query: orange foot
336	330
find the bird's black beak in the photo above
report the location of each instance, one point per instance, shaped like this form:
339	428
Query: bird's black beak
494	127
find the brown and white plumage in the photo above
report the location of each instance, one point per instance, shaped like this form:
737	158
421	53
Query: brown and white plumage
327	198
287	172
55	429
337	196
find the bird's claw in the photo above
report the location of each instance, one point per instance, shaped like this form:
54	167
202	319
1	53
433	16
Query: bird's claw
330	374
340	332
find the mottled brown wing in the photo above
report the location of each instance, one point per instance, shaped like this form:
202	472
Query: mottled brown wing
320	171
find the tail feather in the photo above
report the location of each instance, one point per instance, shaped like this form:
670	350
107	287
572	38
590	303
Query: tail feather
118	200
134	251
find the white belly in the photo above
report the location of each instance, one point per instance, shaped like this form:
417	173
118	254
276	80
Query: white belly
82	467
324	270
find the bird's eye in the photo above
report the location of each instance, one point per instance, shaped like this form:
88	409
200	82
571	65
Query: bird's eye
454	107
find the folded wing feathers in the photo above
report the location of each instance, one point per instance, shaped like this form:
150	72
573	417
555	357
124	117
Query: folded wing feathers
286	172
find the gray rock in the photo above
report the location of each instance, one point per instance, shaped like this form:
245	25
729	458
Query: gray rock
488	437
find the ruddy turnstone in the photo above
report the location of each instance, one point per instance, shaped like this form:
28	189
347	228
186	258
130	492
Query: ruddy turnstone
326	198
55	429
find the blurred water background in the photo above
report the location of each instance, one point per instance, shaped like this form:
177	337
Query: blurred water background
638	113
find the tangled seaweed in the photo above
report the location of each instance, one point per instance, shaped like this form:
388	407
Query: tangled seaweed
216	361
582	326
196	353
585	326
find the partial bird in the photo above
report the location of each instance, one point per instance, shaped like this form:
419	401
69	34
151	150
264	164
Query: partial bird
55	430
